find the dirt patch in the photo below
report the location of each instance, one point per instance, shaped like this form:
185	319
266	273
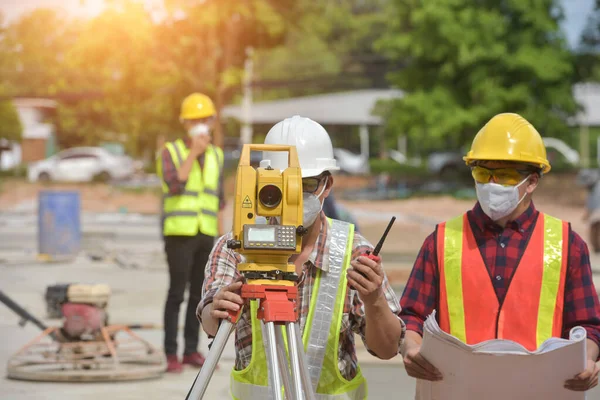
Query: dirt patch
106	198
94	197
558	195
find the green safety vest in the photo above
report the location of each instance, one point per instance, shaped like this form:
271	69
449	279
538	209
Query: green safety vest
197	208
320	337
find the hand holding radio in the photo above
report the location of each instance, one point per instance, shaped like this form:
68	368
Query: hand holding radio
366	275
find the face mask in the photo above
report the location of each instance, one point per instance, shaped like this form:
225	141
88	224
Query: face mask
312	206
199	129
498	201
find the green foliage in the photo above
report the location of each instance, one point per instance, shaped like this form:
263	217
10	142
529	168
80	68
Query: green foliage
121	75
588	55
10	125
467	61
327	46
17	171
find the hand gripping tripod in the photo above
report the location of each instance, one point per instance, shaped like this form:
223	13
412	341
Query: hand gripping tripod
277	308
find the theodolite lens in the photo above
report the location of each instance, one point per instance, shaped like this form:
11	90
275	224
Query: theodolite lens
270	196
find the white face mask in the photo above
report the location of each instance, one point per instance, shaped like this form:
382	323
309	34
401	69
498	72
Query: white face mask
312	206
498	201
199	129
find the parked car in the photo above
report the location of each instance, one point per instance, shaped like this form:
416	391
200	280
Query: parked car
447	164
351	163
451	163
82	164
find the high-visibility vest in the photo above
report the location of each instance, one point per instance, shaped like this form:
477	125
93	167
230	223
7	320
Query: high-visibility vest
320	337
196	209
532	310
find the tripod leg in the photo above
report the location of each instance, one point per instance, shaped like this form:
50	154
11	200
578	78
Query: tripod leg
289	390
309	391
273	362
203	378
295	360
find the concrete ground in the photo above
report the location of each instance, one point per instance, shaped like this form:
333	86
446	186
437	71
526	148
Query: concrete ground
139	280
137	297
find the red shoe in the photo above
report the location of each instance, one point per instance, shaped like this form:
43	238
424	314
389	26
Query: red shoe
194	359
173	364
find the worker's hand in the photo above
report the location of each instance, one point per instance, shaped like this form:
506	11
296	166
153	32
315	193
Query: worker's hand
227	299
418	367
199	144
585	380
367	284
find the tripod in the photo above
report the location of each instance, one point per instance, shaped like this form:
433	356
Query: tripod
277	308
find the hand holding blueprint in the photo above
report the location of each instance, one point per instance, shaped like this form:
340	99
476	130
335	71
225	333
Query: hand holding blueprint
501	369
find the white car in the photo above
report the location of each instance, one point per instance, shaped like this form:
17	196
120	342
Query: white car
351	163
82	164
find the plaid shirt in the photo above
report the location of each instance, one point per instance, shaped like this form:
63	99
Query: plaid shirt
221	271
172	180
501	250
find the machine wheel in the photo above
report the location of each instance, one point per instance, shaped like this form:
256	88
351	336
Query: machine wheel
103	177
44	177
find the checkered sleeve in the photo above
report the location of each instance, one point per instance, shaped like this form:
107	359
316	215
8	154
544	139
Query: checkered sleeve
170	174
420	296
582	307
357	312
221	270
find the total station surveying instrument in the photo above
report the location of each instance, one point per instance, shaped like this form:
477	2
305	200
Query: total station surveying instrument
269	277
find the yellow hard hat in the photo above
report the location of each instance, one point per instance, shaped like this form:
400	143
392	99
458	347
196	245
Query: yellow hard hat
509	137
196	106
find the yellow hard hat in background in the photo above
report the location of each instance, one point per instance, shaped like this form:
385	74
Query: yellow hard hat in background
509	137
196	106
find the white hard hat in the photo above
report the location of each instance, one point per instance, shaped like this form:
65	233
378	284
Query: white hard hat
312	142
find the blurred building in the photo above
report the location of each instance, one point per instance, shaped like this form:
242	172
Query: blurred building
38	136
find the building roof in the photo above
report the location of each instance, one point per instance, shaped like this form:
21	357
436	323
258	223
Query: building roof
34	102
344	108
355	107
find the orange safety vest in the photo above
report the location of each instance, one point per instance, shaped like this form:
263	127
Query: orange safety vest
532	310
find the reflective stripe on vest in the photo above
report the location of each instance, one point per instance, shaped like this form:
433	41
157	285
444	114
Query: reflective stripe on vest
320	321
321	332
532	309
196	209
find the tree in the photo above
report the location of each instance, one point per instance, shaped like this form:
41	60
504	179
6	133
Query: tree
207	41
10	125
328	46
115	55
33	53
588	54
123	74
467	61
